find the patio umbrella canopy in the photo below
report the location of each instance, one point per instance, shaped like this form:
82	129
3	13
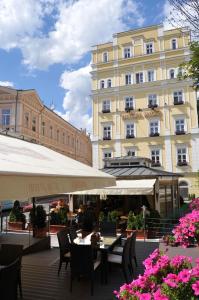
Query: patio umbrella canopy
31	170
124	187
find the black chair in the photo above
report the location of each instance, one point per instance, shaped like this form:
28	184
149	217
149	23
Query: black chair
9	280
132	251
8	254
108	229
82	263
72	233
64	247
123	260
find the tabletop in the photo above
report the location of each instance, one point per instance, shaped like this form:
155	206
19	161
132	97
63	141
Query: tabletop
105	241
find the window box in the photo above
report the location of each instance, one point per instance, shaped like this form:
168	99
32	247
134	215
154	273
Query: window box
180	132
178	102
152	106
128	109
182	163
155	164
130	136
105	111
154	134
106	138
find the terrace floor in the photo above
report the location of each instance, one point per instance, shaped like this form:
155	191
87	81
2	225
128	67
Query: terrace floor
40	280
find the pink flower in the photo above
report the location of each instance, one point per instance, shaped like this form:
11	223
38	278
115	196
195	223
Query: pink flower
158	296
184	275
171	280
195	287
145	296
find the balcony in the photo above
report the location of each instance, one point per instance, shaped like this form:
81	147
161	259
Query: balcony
156	164
179	132
182	163
130	136
106	138
176	102
152	134
105	111
129	108
152	106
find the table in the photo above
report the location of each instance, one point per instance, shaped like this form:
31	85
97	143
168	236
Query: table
106	244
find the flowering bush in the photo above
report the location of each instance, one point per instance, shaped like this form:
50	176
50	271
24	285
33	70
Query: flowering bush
188	229
194	204
163	279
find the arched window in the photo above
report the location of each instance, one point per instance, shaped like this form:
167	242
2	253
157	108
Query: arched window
102	85
172	73
109	83
184	190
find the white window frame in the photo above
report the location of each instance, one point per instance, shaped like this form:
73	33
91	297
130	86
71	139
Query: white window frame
107	152
154	77
153	99
102	81
139	77
132	149
158	126
176	40
6	116
109	81
129	77
131	129
155	154
180	147
179	118
129	100
129	53
108	131
182	96
103	55
106	104
151	48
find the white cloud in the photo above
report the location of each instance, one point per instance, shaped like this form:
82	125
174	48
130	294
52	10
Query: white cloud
77	101
74	27
6	83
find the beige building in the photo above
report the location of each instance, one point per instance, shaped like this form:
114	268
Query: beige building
140	108
23	113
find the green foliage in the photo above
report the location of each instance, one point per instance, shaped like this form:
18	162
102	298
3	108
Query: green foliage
101	216
38	219
135	221
190	69
16	215
113	216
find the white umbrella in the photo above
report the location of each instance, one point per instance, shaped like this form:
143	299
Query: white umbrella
31	170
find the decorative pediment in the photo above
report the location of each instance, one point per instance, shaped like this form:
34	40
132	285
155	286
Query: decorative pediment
132	115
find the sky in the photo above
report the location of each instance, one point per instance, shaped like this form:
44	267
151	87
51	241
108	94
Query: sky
45	45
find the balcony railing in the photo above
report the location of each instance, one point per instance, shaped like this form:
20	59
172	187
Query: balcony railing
154	134
129	108
106	138
179	132
182	163
104	111
156	164
130	136
150	105
178	102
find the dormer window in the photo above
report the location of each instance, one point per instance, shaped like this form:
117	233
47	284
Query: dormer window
174	44
105	57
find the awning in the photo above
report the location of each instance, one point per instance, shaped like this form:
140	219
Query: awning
124	187
30	170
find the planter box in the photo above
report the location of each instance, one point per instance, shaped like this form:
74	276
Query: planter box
40	232
57	228
139	233
16	225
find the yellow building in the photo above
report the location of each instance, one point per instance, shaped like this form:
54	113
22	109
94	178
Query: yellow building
140	107
23	114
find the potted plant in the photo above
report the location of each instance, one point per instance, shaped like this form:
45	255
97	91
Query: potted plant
38	221
17	219
135	222
113	216
58	217
101	216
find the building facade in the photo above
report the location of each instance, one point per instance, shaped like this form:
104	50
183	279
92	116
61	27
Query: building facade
140	107
22	113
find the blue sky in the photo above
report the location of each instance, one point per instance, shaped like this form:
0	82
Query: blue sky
45	45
